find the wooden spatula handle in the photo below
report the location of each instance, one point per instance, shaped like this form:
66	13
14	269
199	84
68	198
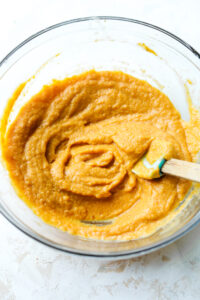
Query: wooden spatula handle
183	169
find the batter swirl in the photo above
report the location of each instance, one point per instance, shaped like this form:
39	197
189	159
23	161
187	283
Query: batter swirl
71	149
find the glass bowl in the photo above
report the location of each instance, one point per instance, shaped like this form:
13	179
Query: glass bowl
101	43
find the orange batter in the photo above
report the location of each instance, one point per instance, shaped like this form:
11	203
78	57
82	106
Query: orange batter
71	149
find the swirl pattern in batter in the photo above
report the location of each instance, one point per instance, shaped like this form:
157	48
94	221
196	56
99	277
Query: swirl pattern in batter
71	149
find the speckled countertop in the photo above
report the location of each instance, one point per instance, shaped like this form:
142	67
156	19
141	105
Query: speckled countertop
30	271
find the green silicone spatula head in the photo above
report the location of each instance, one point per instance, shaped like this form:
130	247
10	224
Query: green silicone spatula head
144	169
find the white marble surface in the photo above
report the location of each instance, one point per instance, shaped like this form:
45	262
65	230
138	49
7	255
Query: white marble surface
30	271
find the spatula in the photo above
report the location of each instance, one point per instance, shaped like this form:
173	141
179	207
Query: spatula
174	167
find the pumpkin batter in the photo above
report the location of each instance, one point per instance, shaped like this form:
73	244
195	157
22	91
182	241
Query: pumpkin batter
71	149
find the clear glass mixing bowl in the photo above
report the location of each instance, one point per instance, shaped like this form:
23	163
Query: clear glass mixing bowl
103	43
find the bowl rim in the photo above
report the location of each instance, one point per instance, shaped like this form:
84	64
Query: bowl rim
126	253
